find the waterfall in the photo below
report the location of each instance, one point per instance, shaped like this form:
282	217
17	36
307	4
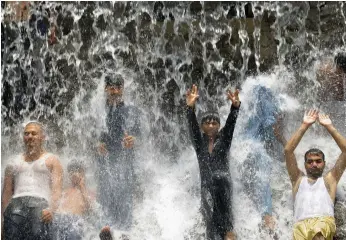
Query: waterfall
161	49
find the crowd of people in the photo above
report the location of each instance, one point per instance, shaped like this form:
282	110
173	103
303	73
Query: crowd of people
35	206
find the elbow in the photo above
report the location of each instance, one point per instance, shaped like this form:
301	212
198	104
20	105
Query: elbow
288	150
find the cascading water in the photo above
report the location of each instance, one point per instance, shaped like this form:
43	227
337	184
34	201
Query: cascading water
161	48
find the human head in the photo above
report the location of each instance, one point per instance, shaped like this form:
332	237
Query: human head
114	85
210	123
76	171
34	136
314	162
340	61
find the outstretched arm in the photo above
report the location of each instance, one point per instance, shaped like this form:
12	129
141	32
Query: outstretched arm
228	129
194	129
278	130
291	162
340	165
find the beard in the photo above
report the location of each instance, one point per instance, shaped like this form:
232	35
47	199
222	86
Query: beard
315	173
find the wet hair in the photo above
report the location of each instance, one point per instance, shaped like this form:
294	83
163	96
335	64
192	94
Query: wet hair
340	61
314	151
37	123
114	80
210	115
75	166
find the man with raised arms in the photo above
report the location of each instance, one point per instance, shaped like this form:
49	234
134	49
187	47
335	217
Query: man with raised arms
314	194
212	148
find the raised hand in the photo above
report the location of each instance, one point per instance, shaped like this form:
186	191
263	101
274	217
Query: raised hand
192	96
47	216
310	116
101	149
324	119
128	141
234	97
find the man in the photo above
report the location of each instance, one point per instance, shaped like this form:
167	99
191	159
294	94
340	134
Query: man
212	149
331	77
265	129
116	156
32	189
74	205
314	194
332	90
332	97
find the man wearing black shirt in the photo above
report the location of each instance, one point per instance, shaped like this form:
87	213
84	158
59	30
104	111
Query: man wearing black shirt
116	156
212	148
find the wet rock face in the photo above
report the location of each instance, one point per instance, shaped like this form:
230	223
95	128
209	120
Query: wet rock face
166	45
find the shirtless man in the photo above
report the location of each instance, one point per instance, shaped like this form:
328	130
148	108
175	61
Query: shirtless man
331	94
32	189
314	194
75	203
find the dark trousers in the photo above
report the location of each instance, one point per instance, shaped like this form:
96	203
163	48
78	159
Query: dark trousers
22	219
216	207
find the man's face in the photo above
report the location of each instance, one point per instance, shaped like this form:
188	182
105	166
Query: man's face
210	127
76	177
33	136
114	91
314	165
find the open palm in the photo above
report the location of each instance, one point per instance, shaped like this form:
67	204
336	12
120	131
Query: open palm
310	116
192	96
324	119
234	97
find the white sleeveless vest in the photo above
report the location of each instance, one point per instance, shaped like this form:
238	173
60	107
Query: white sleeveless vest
312	200
32	178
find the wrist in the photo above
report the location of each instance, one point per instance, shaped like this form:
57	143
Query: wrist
306	125
190	107
330	127
50	209
236	104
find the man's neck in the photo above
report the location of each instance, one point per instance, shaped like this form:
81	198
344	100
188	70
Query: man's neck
33	154
312	178
116	102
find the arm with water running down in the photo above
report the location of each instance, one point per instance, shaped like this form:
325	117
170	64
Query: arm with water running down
7	193
54	166
291	162
340	165
228	129
8	188
193	127
278	130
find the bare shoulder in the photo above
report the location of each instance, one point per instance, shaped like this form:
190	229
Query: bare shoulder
330	180
9	169
296	184
52	161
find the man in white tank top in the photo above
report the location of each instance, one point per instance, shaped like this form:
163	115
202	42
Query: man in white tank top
32	189
314	194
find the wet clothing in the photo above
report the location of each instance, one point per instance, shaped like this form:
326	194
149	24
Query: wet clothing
256	169
31	178
313	211
67	227
256	179
308	228
22	219
116	171
312	200
216	188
